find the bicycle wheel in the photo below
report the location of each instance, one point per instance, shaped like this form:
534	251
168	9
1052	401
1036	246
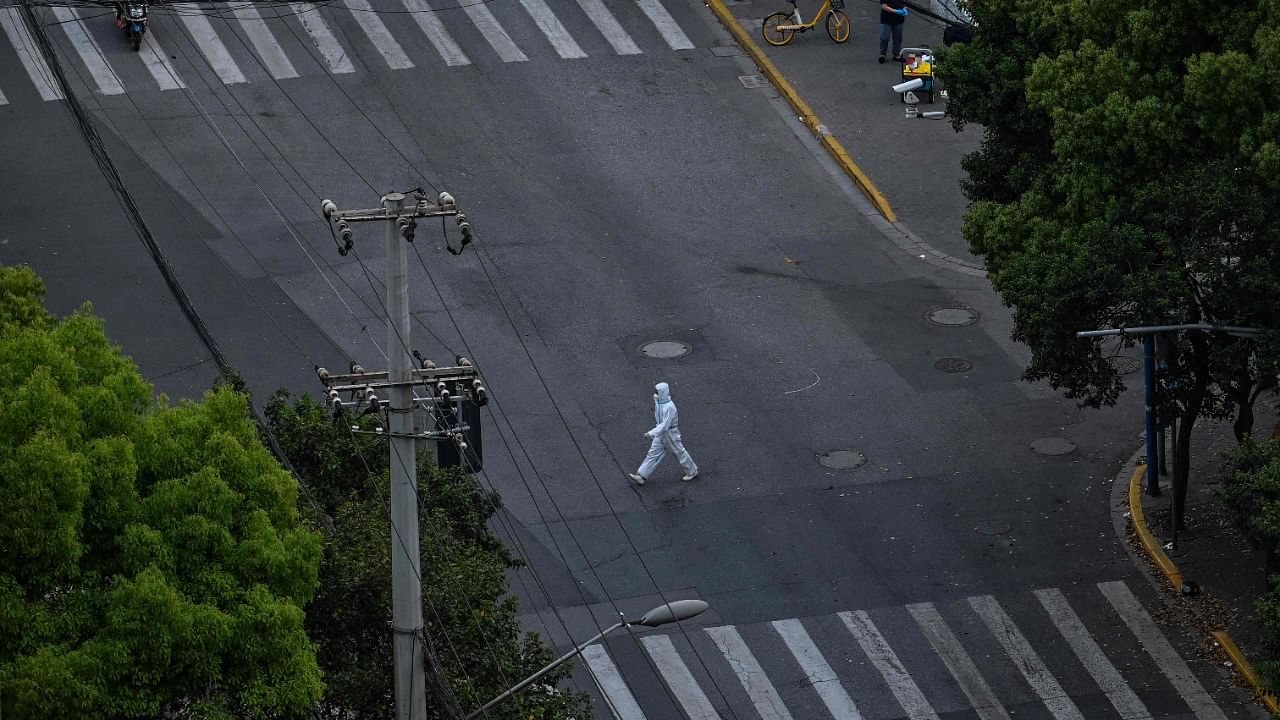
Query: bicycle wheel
775	35
838	26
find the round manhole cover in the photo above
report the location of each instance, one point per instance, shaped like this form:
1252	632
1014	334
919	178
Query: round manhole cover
953	365
952	316
1125	365
842	459
665	349
991	527
1053	446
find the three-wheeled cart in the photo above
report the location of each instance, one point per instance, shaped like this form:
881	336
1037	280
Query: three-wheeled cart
917	62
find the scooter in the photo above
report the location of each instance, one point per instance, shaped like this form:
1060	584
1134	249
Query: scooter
132	18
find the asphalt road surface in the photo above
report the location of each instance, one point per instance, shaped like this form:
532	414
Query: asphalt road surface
625	187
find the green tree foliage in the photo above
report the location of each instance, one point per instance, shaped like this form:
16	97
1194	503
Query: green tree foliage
153	562
1251	491
1127	176
475	639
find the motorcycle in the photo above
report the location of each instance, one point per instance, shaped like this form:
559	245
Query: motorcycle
132	18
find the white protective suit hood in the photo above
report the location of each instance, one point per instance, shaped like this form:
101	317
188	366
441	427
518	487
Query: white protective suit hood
664	393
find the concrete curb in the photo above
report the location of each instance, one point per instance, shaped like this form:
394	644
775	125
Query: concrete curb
807	116
1174	577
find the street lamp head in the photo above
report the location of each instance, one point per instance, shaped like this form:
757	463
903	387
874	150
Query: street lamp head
672	612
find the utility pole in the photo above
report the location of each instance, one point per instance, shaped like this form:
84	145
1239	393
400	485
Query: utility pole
442	387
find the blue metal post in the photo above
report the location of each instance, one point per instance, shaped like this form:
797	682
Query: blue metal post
1149	378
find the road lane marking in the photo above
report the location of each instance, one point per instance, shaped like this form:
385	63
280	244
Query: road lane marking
817	671
488	26
617	695
762	693
891	668
678	678
435	31
28	54
273	56
209	43
379	35
1091	656
609	27
335	56
106	79
1026	659
152	55
1155	643
666	24
948	647
550	26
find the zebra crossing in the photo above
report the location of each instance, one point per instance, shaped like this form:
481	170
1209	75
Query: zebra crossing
241	42
1025	656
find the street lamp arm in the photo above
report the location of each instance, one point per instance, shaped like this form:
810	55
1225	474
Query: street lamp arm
1156	329
670	612
548	668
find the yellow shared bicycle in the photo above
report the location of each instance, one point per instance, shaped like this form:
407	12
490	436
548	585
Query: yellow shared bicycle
780	27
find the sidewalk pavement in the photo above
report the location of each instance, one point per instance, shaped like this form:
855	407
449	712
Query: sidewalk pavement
1211	552
915	163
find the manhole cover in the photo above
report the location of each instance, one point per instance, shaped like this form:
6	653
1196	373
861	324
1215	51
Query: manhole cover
1125	365
953	365
952	316
991	527
1053	446
842	459
665	349
753	82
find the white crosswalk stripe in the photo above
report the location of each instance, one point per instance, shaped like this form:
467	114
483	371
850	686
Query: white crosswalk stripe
335	57
676	674
913	689
158	64
1025	658
28	54
498	38
1171	664
753	678
617	695
1095	661
87	48
270	52
257	33
609	27
550	26
211	46
379	35
817	671
436	33
890	667
958	662
666	24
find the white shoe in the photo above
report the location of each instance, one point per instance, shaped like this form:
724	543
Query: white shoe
687	478
638	479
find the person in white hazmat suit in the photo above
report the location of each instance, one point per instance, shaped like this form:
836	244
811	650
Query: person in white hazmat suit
666	437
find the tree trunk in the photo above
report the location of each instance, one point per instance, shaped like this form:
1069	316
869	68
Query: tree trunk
1243	426
1182	442
1182	466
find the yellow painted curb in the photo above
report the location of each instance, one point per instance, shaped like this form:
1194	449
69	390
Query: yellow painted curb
1174	576
802	108
1154	550
1242	663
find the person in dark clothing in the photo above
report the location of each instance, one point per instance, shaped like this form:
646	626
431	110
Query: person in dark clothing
892	14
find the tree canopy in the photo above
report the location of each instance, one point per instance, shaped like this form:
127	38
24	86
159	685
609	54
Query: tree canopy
153	562
1127	176
475	644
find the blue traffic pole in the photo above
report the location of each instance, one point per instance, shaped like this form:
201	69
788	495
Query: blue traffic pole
1149	397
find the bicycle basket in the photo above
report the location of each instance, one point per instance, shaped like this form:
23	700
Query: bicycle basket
837	4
